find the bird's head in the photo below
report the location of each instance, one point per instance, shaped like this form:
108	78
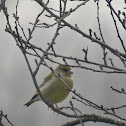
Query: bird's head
64	70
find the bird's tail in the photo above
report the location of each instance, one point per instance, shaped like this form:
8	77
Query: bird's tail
29	103
34	99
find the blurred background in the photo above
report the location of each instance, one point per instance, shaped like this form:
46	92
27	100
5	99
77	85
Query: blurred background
16	85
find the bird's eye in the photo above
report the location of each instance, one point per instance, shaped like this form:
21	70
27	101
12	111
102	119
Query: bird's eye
65	70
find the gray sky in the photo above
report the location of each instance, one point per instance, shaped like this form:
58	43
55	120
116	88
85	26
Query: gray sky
16	86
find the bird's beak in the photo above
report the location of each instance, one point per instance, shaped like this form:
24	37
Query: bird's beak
69	72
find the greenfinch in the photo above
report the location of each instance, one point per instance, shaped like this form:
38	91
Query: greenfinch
52	89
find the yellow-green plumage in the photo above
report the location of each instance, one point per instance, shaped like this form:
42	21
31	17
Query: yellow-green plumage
52	89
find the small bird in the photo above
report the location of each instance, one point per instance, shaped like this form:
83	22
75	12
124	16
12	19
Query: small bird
52	89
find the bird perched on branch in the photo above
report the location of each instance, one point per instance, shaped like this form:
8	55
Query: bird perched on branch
52	89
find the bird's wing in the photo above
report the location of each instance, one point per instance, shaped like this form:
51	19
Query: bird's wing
49	77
